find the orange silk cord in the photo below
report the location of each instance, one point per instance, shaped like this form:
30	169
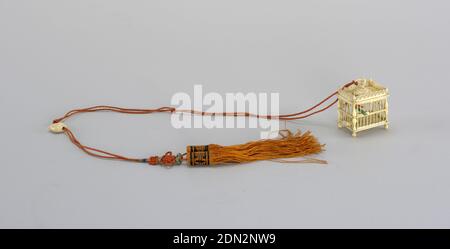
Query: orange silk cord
168	159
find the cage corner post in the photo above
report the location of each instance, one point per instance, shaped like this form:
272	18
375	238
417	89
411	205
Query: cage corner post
354	119
386	124
339	107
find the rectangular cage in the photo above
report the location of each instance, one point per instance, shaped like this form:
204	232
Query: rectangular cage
362	106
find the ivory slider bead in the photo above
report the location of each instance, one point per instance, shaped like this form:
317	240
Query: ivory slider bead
57	127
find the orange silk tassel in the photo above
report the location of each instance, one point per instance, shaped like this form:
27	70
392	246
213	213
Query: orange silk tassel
289	145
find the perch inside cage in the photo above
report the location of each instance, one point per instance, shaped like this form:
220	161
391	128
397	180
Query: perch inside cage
363	106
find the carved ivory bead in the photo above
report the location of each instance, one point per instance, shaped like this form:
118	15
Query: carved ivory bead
57	127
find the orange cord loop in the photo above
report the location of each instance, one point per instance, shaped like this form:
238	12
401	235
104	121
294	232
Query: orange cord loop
169	159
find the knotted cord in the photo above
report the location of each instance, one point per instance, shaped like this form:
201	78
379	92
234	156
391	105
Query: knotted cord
168	158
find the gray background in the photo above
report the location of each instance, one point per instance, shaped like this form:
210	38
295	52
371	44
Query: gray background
60	55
